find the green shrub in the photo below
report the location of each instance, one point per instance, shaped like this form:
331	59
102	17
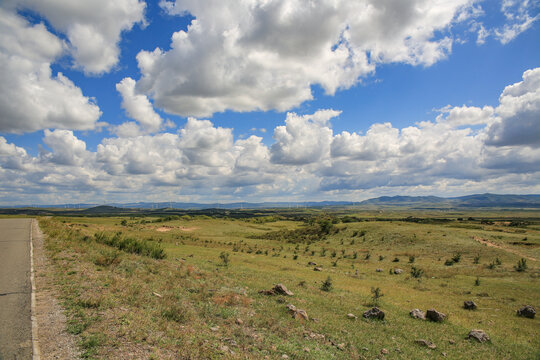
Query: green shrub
521	265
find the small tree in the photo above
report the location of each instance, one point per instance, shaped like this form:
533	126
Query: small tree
376	294
521	265
224	256
476	259
327	284
477	281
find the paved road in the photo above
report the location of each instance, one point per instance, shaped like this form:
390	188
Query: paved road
15	290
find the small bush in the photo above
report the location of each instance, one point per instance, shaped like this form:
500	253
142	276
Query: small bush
476	259
477	281
449	262
224	256
327	285
376	294
411	259
416	272
521	265
457	257
368	255
395	259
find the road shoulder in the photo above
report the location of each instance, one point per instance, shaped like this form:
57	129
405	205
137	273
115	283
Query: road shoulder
54	341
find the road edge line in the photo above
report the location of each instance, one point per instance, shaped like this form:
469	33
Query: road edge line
35	342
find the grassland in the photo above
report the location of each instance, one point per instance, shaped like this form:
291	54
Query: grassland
179	299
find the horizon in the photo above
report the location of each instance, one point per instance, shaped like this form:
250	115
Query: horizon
279	101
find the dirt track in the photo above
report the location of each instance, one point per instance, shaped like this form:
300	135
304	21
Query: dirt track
490	244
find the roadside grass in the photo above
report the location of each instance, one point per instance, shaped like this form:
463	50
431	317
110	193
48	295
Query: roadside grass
186	303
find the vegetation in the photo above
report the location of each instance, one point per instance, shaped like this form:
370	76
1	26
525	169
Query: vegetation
178	301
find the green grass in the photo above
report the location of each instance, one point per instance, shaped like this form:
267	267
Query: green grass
166	306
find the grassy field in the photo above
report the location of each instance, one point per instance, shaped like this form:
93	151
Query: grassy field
188	287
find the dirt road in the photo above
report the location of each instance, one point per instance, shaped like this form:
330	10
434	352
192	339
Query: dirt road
15	290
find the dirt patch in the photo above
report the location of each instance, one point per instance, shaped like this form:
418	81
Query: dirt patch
181	228
490	244
54	341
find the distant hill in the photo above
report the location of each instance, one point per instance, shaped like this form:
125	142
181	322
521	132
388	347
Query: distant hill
415	202
469	201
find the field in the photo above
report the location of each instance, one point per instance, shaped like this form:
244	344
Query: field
188	286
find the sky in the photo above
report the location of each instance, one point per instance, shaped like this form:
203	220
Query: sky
267	100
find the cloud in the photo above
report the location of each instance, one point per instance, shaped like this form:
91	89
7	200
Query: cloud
304	139
258	55
518	15
93	28
463	149
31	98
518	120
137	106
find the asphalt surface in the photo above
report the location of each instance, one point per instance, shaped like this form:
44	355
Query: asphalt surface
15	290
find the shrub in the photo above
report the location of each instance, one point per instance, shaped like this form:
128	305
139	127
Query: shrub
476	259
416	272
411	259
368	255
327	285
457	257
477	281
449	262
224	256
521	265
376	294
395	260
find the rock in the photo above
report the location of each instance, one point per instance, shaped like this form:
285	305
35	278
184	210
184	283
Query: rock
239	321
469	305
374	313
452	342
297	313
341	346
352	316
379	270
478	335
284	356
214	328
527	311
282	290
384	351
365	349
306	349
398	271
317	268
434	315
426	343
417	314
311	263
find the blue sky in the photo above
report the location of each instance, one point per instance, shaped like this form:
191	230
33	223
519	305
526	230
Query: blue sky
267	100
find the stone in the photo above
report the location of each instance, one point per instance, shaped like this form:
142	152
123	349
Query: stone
417	314
478	335
374	313
214	328
469	305
239	321
352	316
527	311
434	315
317	268
398	271
384	351
311	263
282	290
284	356
297	313
426	343
379	270
341	346
306	349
